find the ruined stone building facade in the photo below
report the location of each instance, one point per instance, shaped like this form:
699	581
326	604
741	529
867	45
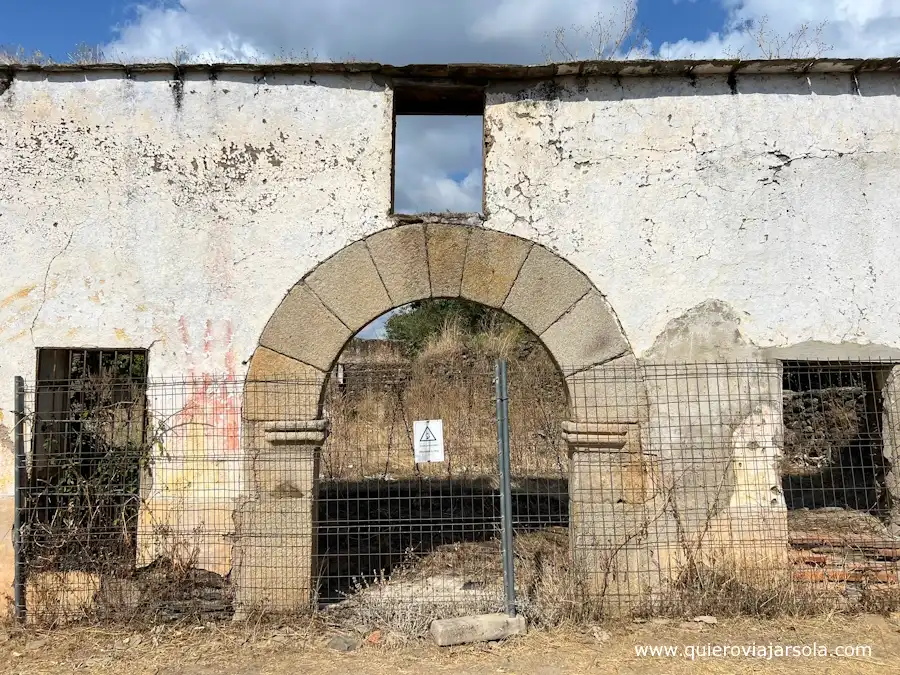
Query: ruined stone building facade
238	220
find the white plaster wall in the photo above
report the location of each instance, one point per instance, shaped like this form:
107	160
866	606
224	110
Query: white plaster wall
781	201
138	213
129	220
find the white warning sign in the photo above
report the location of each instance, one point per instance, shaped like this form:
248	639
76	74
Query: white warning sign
428	440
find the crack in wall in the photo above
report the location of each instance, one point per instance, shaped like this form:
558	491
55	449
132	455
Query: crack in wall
46	281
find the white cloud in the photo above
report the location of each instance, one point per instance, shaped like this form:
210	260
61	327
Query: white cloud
399	31
438	165
857	28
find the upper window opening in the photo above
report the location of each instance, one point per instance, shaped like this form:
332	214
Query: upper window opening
438	149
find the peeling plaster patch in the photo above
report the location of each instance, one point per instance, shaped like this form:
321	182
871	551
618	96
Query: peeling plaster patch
710	331
121	335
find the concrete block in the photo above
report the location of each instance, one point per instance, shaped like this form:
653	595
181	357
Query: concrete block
401	258
554	281
482	628
446	258
304	328
493	261
349	285
586	335
281	388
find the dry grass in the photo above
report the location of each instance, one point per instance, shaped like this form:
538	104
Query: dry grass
465	578
300	646
452	379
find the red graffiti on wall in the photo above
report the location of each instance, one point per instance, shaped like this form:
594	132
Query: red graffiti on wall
212	398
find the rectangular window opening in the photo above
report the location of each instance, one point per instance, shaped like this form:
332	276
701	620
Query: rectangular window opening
833	467
438	149
90	448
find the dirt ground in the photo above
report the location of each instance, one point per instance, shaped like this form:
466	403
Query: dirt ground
303	650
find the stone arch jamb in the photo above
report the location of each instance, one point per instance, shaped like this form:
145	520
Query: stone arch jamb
391	268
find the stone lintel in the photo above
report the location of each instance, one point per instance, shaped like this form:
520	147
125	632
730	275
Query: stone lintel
297	432
598	436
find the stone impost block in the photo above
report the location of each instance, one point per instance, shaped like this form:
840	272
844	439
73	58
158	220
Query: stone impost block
584	435
297	432
287	463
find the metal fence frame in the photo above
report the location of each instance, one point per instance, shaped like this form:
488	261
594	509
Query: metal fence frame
690	394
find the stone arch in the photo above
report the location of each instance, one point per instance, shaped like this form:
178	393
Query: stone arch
411	262
284	389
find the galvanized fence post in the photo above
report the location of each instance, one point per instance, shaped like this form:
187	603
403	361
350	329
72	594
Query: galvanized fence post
19	501
502	393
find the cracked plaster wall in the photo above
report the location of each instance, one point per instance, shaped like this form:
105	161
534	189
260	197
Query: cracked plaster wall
779	200
176	214
723	221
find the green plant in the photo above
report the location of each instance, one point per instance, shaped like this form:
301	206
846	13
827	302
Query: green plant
427	319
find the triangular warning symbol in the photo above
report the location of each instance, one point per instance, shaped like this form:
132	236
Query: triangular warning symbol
427	436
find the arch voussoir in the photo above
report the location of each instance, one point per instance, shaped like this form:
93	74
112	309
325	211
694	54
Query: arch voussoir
303	328
401	257
550	278
446	258
281	388
348	284
587	334
493	261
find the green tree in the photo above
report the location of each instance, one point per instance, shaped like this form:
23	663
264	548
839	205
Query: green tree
426	319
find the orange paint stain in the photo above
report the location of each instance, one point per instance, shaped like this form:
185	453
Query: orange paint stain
21	294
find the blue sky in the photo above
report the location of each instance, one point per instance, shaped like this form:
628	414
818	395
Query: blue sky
55	27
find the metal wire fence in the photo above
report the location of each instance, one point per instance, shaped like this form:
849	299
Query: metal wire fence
635	489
